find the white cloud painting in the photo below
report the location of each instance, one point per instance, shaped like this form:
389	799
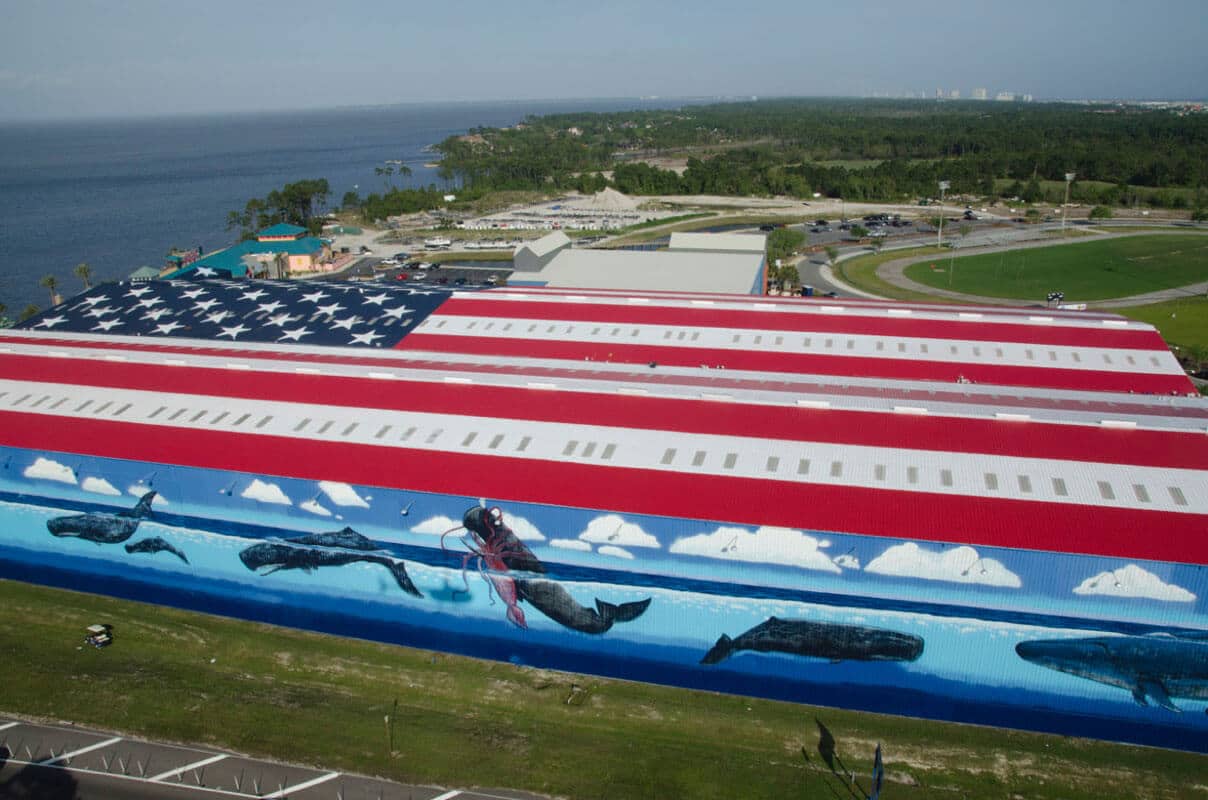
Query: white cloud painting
1132	581
766	545
955	565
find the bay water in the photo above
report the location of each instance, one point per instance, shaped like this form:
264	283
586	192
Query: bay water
119	193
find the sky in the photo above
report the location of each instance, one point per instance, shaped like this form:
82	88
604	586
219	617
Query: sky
84	58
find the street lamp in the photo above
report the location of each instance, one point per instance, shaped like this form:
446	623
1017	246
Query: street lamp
939	236
1069	178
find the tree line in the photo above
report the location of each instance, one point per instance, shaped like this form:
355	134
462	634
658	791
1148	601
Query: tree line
900	148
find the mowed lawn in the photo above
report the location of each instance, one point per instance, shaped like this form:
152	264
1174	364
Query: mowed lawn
1097	270
432	718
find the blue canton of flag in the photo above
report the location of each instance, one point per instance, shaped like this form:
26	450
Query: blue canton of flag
307	312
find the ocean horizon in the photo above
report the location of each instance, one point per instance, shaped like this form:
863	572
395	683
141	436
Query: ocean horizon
118	193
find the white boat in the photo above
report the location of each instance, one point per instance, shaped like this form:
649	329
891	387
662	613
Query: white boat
437	243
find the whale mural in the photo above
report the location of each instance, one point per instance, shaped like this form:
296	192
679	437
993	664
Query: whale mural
1153	669
335	549
101	527
828	641
1051	641
500	551
156	545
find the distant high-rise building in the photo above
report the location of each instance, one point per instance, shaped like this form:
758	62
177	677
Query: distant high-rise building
955	94
939	93
980	94
1027	98
1006	97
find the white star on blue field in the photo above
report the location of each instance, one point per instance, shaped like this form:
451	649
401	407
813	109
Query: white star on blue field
323	313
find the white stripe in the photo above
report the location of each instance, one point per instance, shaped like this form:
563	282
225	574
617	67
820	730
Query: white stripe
80	752
195	765
301	786
130	778
979	401
8	725
825	343
901	468
447	795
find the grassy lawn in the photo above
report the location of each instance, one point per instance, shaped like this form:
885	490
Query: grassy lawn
655	223
1096	270
861	272
322	700
693	222
1183	322
466	255
1058	187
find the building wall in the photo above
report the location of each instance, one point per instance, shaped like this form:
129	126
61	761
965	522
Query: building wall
930	629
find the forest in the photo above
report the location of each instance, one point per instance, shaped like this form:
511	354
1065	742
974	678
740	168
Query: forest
856	149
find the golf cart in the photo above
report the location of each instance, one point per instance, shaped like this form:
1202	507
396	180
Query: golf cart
99	635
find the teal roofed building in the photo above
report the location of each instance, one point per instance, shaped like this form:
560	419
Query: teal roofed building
280	231
277	252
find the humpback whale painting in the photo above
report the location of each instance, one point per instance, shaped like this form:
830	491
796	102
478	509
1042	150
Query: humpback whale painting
831	641
1153	668
334	549
101	527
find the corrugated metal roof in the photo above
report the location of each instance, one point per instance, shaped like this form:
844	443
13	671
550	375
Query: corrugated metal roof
546	244
640	270
722	242
789	413
282	229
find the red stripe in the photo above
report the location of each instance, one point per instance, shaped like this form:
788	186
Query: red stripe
804	363
852	324
713	380
682	415
1118	533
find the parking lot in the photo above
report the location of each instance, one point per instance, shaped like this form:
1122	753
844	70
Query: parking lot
62	761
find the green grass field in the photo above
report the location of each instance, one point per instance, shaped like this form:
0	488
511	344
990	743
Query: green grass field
1057	188
322	700
1182	322
1096	270
861	272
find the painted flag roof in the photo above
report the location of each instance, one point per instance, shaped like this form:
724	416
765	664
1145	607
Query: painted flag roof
1028	428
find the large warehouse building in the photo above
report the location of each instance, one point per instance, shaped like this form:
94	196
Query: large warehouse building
976	514
707	262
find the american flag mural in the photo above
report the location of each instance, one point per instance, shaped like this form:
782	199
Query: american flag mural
844	472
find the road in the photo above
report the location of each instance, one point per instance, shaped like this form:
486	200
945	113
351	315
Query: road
64	762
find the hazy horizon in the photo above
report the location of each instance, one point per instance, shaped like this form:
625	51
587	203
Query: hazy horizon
80	59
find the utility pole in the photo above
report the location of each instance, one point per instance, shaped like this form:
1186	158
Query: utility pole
939	237
1069	178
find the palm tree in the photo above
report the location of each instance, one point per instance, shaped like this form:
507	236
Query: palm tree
51	284
84	273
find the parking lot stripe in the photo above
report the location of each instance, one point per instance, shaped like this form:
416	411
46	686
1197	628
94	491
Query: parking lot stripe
81	751
299	787
187	767
8	725
448	795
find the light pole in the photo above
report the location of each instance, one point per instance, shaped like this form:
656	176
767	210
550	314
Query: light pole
1069	178
939	236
